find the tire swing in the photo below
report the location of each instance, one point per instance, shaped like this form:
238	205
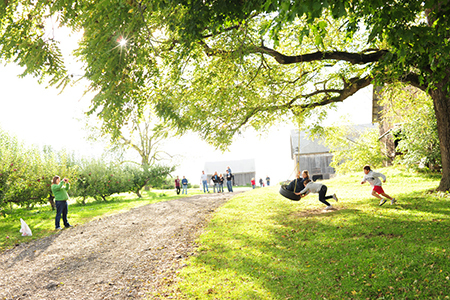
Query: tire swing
289	194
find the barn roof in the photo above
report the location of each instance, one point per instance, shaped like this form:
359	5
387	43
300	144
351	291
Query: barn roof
237	166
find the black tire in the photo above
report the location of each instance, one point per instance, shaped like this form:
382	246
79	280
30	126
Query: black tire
289	194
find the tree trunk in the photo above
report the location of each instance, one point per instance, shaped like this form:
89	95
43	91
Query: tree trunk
138	193
441	101
52	202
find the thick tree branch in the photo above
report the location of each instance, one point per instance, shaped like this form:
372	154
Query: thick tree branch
350	88
353	58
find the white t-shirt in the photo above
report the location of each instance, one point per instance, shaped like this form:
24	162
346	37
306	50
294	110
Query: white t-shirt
373	178
204	177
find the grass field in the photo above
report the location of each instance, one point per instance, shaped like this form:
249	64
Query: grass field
260	245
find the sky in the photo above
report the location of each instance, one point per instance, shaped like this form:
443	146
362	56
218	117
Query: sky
39	116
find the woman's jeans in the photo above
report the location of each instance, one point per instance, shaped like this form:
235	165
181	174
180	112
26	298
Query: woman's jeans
61	210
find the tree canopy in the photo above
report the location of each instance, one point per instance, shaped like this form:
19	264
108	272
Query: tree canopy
217	67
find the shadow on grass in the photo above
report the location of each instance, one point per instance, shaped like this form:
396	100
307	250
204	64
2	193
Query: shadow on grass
347	253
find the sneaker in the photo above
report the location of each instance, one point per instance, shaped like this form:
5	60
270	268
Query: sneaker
329	207
68	226
335	197
393	201
383	201
58	228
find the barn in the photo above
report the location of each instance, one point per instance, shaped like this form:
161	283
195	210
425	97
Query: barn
314	156
311	155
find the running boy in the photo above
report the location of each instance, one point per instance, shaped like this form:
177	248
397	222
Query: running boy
321	189
374	179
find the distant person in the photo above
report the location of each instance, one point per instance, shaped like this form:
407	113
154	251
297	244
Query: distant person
232	176
253	183
184	183
261	182
321	189
229	171
229	179
177	185
374	179
213	184
204	180
268	180
297	185
59	190
221	180
215	179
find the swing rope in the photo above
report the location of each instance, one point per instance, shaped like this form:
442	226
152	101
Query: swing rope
297	165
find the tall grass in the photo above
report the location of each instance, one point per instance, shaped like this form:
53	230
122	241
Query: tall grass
260	245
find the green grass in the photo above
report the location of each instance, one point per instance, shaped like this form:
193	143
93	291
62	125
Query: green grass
41	219
260	245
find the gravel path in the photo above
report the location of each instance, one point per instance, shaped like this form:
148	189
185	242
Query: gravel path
128	255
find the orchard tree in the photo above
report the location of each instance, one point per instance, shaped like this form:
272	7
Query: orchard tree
219	66
144	134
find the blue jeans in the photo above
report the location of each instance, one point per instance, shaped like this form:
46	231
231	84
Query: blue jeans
216	187
229	186
184	188
61	209
221	187
205	185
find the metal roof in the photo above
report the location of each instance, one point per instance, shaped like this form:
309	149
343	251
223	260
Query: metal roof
237	166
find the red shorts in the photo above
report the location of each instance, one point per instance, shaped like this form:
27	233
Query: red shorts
378	189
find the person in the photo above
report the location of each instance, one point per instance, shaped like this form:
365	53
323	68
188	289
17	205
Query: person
253	183
184	183
204	180
221	180
177	185
215	179
213	184
229	183
268	180
321	189
374	179
297	185
59	190
261	182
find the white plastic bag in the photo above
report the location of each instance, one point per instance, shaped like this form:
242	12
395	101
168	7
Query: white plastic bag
26	231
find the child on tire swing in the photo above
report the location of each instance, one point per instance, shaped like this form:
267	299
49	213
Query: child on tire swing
321	189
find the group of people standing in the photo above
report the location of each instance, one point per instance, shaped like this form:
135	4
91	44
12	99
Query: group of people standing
217	181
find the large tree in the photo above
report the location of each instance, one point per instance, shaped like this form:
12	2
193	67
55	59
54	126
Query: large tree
218	66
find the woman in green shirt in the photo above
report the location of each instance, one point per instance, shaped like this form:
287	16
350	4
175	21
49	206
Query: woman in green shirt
59	190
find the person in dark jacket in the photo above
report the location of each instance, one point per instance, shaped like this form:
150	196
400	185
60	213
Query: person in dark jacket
177	185
297	183
229	178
